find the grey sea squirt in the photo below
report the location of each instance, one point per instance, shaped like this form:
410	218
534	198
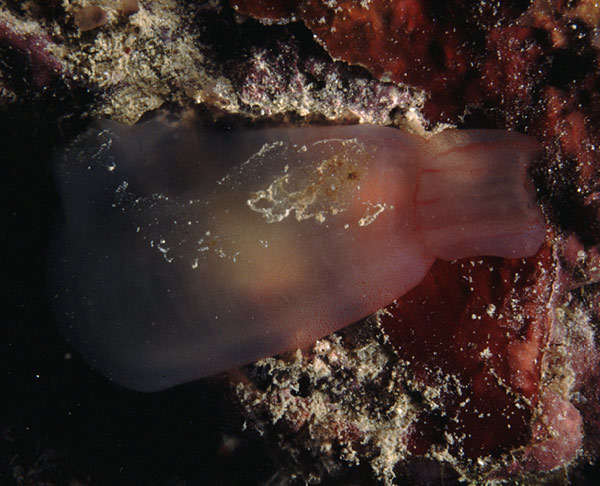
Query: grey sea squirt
184	251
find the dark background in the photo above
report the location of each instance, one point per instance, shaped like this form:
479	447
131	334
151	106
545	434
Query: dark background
62	423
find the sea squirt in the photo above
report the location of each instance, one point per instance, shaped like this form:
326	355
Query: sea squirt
185	251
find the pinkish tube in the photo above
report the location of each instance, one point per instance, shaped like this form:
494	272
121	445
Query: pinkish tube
185	252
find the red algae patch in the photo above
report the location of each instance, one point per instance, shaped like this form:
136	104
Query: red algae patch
427	44
557	434
474	329
400	41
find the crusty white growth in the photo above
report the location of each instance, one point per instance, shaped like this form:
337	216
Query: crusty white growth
325	391
321	187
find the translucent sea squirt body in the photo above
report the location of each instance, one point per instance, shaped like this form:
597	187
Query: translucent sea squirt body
186	251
